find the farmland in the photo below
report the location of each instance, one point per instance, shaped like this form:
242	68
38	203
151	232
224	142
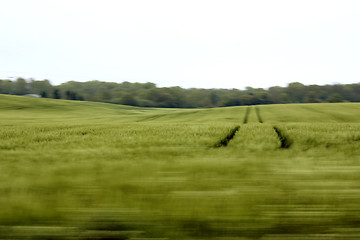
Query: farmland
85	170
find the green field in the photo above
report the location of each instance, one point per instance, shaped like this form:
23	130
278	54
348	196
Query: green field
85	170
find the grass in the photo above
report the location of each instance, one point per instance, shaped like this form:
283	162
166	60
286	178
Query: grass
82	170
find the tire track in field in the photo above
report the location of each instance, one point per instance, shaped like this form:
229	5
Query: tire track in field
247	113
257	110
285	141
224	141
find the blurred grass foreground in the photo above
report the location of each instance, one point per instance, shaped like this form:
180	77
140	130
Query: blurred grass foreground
82	170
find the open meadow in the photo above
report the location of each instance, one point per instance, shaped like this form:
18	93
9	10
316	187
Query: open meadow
85	170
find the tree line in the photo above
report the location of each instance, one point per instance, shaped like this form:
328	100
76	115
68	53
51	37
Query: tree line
149	95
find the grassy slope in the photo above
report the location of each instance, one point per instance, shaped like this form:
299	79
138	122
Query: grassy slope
81	170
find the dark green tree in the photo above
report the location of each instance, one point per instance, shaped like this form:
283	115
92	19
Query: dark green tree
295	92
214	98
43	94
311	97
6	86
42	88
20	87
128	99
56	94
335	98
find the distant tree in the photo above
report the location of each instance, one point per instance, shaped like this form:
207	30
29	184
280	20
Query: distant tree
231	101
178	96
68	95
128	99
163	97
335	98
247	99
148	95
20	86
126	85
284	98
275	94
105	95
40	87
249	90
43	94
214	98
73	96
319	91
149	85
56	94
295	92
6	86
311	97
261	96
355	92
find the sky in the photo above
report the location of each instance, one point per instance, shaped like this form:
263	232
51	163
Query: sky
187	43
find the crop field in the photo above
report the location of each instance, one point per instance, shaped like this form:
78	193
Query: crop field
84	170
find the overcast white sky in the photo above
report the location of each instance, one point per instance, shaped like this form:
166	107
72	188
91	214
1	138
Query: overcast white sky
187	43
